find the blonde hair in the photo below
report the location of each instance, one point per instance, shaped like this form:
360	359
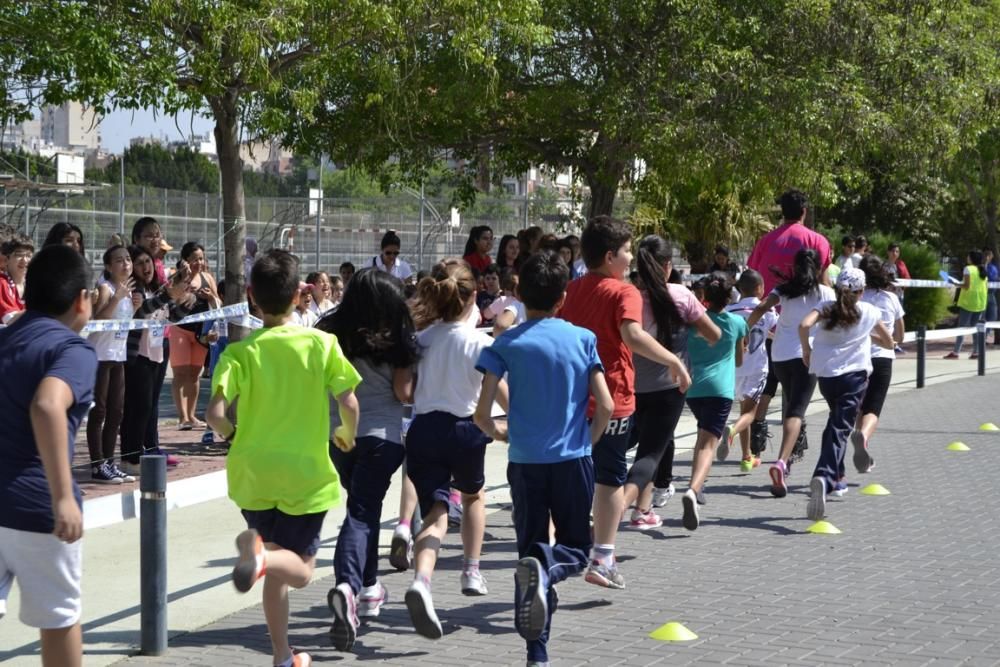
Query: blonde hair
444	294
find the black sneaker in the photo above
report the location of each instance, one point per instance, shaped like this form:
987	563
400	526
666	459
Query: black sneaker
801	445
103	474
759	435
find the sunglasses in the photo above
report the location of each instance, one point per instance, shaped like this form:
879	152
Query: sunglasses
391	253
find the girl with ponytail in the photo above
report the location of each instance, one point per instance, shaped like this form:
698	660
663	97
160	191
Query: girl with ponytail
800	292
668	312
840	356
444	448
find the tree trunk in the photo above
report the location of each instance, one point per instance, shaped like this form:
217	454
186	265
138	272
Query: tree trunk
233	203
603	183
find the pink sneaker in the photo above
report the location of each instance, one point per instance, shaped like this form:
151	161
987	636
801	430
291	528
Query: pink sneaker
645	521
172	460
778	473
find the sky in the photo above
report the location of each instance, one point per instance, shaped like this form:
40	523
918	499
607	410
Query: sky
120	126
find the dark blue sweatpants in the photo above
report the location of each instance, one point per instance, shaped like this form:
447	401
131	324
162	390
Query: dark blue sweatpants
365	472
565	492
843	394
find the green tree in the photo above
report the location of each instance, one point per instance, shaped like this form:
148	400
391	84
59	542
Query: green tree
155	166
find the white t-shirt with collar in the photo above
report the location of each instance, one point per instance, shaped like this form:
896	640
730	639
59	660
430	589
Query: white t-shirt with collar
891	310
401	269
447	379
844	350
786	343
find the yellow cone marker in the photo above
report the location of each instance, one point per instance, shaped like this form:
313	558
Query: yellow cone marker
673	632
989	426
823	528
874	490
958	447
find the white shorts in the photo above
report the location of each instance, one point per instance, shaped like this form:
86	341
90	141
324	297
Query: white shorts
750	387
48	573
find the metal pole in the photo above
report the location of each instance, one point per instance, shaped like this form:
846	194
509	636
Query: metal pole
319	211
220	237
27	196
121	197
153	554
921	354
981	348
527	174
420	231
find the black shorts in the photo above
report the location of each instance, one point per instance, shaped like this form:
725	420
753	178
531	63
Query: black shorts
712	413
296	532
878	386
797	387
610	466
772	378
443	452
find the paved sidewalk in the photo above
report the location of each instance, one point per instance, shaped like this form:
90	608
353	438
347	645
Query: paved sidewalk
912	580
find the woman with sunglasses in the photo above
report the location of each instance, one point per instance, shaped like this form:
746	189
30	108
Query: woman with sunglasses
388	260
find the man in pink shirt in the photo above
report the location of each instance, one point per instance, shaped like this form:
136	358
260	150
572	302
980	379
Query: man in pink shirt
774	253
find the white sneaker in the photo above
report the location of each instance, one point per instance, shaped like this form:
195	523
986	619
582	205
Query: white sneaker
345	616
130	469
421	607
401	549
473	583
661	496
371	599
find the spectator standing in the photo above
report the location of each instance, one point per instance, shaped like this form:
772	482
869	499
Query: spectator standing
346	272
478	247
388	259
972	299
508	252
322	293
721	262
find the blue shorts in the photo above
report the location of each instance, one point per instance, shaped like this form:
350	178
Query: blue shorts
712	413
444	452
610	466
296	532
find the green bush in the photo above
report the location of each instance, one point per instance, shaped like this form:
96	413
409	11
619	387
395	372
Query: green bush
923	305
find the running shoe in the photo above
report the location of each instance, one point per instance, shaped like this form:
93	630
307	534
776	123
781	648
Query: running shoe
816	509
118	472
185	426
600	574
759	435
102	474
863	461
421	607
371	600
345	616
250	564
974	355
538	663
531	611
130	469
690	502
725	442
645	521
801	445
839	489
662	495
298	660
208	437
401	549
454	514
700	496
951	355
778	472
747	465
473	583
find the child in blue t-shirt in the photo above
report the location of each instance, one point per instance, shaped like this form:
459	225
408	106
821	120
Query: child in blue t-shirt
47	375
713	382
552	367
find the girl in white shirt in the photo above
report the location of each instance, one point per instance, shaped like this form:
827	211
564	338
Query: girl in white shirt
840	356
444	448
797	296
879	292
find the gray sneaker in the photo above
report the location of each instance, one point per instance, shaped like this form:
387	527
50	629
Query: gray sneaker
690	502
816	509
531	612
421	607
863	461
602	575
473	583
662	495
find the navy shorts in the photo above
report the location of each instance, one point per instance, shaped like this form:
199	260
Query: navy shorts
443	452
610	466
712	413
296	532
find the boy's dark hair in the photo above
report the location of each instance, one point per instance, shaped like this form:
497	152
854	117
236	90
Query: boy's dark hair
492	269
56	276
275	281
542	280
347	265
15	243
140	226
793	204
602	235
749	281
860	242
892	246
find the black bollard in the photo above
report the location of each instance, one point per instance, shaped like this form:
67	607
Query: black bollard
921	354
153	554
981	348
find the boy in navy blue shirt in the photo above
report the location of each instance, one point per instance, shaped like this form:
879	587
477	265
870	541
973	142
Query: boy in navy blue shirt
47	374
552	368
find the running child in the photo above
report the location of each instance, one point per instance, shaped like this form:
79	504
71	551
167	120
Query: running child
279	469
376	333
880	293
840	356
444	448
549	363
47	373
710	397
751	375
798	295
603	302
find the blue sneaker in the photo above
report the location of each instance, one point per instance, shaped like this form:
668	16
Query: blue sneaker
532	611
208	438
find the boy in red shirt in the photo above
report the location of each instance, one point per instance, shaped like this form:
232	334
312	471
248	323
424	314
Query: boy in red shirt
603	302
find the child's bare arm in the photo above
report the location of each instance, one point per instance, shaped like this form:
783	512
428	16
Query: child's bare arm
215	415
605	405
48	423
483	416
403	384
350	413
740	346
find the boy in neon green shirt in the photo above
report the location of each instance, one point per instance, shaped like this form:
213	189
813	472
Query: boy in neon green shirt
279	469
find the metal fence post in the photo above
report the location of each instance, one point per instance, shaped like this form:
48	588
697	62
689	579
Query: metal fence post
153	554
921	354
981	348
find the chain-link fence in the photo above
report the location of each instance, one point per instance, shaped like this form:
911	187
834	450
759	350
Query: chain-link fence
322	233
